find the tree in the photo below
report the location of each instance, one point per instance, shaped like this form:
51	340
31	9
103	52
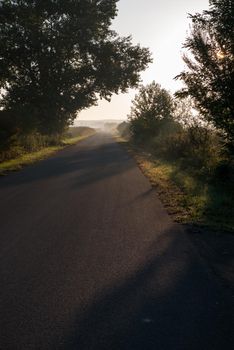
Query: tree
186	114
58	57
123	129
151	108
209	77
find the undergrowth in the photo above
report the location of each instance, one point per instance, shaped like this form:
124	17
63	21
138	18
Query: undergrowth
191	195
36	147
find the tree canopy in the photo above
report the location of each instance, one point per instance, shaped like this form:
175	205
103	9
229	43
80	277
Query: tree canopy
151	107
58	57
210	63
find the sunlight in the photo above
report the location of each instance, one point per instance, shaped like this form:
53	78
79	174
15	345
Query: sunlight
220	55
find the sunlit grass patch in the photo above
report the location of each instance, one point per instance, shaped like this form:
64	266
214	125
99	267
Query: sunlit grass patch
32	157
28	158
190	198
74	140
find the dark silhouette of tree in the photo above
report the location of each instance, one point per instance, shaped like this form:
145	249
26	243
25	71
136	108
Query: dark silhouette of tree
58	57
151	108
209	77
123	129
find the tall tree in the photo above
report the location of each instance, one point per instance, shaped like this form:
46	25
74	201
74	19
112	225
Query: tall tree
210	62
151	108
58	57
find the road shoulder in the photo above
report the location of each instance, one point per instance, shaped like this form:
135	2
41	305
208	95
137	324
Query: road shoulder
214	245
33	157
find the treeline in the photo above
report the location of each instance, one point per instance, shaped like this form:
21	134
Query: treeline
33	142
185	156
56	59
171	129
196	125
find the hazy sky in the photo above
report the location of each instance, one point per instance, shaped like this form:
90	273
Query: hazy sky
160	25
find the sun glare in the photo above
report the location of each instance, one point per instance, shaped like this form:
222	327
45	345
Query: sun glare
220	55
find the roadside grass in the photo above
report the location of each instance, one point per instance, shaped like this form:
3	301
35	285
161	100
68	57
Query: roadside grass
32	157
190	198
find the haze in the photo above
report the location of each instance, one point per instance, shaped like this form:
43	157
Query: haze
160	25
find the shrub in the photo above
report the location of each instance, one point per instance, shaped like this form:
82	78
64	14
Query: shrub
124	130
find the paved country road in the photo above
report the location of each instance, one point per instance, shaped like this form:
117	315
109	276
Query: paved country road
89	259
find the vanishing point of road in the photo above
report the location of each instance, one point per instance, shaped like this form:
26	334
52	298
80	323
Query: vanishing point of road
90	260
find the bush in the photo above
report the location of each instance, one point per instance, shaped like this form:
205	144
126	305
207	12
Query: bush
194	147
124	130
171	130
21	144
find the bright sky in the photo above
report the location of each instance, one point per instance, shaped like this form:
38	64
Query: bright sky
162	26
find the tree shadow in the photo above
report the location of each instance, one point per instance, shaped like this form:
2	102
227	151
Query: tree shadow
85	164
169	303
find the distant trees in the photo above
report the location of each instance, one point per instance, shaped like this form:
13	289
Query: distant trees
209	77
124	130
151	107
58	57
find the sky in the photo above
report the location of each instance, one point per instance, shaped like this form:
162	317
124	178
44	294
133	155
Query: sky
161	25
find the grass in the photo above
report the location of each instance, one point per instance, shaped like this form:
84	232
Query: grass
189	198
32	157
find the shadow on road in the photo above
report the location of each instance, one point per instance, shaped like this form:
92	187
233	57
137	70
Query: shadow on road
167	304
102	268
86	165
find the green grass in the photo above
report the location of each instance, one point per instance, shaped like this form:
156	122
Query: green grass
73	140
190	198
32	157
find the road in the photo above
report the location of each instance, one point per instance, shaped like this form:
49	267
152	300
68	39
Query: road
90	260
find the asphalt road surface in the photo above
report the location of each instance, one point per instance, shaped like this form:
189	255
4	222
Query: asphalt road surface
90	260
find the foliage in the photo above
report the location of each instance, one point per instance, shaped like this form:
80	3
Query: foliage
75	131
209	77
188	196
186	114
151	108
36	142
124	129
170	129
183	156
194	147
20	144
56	58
